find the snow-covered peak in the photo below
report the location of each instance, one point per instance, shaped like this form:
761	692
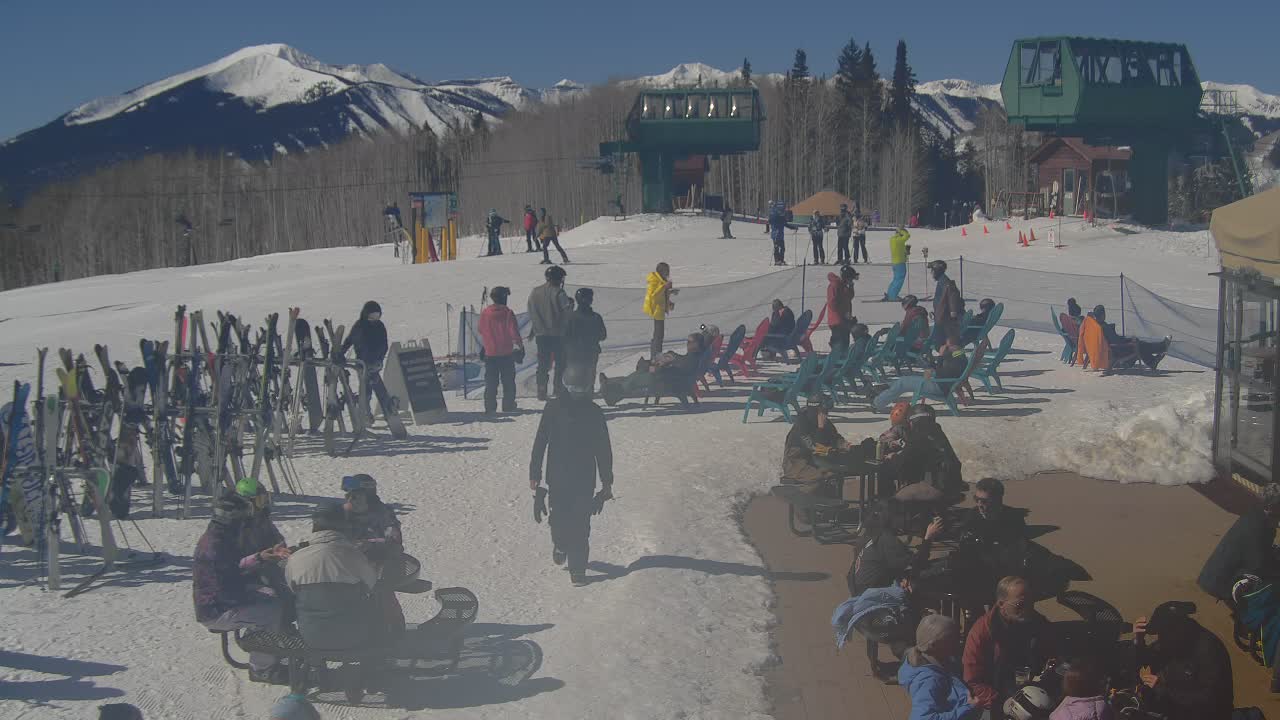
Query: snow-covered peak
253	72
960	88
688	74
1252	100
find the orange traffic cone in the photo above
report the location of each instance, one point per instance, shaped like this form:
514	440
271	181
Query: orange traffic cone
1086	216
1033	235
1007	226
964	232
985	231
1050	213
1022	239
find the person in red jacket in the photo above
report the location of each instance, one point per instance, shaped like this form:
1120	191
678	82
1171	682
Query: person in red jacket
1012	638
840	307
503	348
530	230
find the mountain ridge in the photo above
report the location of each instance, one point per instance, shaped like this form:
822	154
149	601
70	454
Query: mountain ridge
266	99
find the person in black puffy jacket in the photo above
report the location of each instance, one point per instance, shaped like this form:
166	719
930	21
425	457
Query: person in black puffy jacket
369	338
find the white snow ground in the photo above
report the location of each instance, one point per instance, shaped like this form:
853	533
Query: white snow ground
676	624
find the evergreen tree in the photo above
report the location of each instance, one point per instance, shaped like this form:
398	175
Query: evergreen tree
868	75
903	88
746	72
848	72
800	68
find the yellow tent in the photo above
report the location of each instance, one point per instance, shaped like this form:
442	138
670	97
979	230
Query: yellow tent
826	202
1248	233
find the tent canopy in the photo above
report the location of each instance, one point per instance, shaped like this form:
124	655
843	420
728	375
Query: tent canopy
1248	233
826	202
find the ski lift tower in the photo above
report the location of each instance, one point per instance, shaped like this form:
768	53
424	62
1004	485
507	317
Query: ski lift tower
668	125
1145	95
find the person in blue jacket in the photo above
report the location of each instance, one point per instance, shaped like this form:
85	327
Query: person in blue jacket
930	673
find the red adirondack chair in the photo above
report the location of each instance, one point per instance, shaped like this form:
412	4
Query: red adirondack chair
804	342
745	360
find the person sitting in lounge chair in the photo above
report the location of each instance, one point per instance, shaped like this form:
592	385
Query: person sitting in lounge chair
665	374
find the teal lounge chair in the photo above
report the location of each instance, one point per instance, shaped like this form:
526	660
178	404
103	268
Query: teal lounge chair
988	371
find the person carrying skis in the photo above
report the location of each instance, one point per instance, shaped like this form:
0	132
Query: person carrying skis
503	348
530	230
548	309
583	333
493	225
574	440
948	306
860	238
776	228
726	216
548	233
844	230
898	252
840	317
332	582
657	302
817	228
369	338
224	595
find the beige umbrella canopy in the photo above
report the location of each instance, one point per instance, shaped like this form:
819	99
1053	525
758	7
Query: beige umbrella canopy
826	202
1248	233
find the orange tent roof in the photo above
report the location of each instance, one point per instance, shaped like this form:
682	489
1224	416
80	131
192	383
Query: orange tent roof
826	202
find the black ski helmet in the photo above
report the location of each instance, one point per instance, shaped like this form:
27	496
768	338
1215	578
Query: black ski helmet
910	301
585	296
555	274
938	266
500	294
848	273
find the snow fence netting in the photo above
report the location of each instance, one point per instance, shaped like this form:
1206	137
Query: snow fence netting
1031	298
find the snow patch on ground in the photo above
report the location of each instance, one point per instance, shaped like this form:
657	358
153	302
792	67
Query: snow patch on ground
1168	444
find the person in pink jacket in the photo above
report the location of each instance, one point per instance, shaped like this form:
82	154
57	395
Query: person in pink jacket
503	348
1082	692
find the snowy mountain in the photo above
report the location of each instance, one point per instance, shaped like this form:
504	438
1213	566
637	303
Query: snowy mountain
256	102
267	99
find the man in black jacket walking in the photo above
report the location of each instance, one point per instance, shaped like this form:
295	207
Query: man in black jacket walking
575	440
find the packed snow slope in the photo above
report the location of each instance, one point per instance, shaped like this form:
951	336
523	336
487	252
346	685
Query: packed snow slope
675	622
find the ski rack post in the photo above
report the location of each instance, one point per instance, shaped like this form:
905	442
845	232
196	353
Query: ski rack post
1122	303
803	268
463	350
962	277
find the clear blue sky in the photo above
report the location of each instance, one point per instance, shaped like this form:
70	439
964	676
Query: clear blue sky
56	54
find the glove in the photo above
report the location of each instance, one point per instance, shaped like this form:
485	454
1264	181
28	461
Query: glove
598	501
819	449
539	504
519	355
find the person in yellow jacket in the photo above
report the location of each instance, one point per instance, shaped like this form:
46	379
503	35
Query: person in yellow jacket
898	252
657	301
548	233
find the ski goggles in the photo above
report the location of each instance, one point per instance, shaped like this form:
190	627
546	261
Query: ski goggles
349	483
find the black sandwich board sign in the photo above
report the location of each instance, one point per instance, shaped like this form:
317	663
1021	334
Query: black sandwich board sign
412	376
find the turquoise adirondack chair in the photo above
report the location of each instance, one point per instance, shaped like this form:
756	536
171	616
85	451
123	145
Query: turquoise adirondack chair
985	329
1068	341
988	371
904	354
954	384
874	364
847	375
781	393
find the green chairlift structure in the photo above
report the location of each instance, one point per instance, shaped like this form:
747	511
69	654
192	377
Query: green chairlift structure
666	125
1145	95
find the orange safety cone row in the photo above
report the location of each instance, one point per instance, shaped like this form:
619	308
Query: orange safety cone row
1033	235
964	232
985	231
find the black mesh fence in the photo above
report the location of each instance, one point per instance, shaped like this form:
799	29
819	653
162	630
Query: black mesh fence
1031	298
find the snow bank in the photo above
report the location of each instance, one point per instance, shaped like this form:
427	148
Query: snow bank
1169	444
